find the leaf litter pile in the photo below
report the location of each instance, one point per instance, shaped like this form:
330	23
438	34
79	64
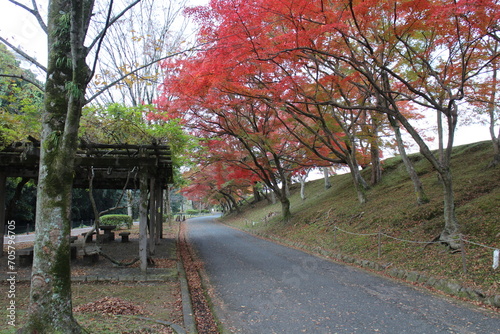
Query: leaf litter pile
205	321
111	306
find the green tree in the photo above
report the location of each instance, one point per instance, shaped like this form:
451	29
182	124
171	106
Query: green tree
120	124
67	79
68	76
20	100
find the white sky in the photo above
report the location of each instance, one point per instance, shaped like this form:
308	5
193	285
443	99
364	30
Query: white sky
21	29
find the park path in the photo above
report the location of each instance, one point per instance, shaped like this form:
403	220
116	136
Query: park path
21	238
263	287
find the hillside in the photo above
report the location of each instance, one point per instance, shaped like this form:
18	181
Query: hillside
321	222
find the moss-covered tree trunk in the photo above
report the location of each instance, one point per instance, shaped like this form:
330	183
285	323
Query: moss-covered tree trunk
3	180
67	77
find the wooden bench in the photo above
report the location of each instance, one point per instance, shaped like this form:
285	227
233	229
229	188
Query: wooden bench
25	255
124	236
90	237
90	254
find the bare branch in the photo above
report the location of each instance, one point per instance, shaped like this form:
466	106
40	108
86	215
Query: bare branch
23	54
22	77
34	11
99	37
135	71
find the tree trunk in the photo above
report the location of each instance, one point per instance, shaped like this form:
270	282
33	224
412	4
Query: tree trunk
285	209
376	174
130	199
492	109
451	231
417	184
326	177
287	182
272	197
376	171
302	180
440	136
3	184
231	202
17	196
50	306
496	151
360	184
67	77
256	193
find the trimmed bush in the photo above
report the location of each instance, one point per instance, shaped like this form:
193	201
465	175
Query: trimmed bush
121	221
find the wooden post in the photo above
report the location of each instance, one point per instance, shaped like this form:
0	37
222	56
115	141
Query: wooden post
152	215
168	207
159	212
379	244
143	221
3	189
464	256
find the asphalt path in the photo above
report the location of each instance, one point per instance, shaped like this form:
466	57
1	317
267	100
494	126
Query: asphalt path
262	287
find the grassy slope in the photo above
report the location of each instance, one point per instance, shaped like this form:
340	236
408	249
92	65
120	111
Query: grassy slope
392	208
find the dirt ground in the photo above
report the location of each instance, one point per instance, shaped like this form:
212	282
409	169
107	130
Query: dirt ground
109	298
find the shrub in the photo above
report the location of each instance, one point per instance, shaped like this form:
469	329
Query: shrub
121	221
192	212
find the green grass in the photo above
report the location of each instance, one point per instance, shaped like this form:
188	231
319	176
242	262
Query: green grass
392	208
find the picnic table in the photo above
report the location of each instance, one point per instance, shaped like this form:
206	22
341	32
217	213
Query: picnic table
109	235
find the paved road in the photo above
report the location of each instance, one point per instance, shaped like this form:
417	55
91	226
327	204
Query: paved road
267	288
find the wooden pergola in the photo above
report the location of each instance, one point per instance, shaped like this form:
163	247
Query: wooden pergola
144	167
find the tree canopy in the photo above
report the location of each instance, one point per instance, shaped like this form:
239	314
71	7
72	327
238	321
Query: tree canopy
334	77
20	100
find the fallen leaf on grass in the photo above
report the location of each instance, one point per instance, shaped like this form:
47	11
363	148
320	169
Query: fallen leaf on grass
111	306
